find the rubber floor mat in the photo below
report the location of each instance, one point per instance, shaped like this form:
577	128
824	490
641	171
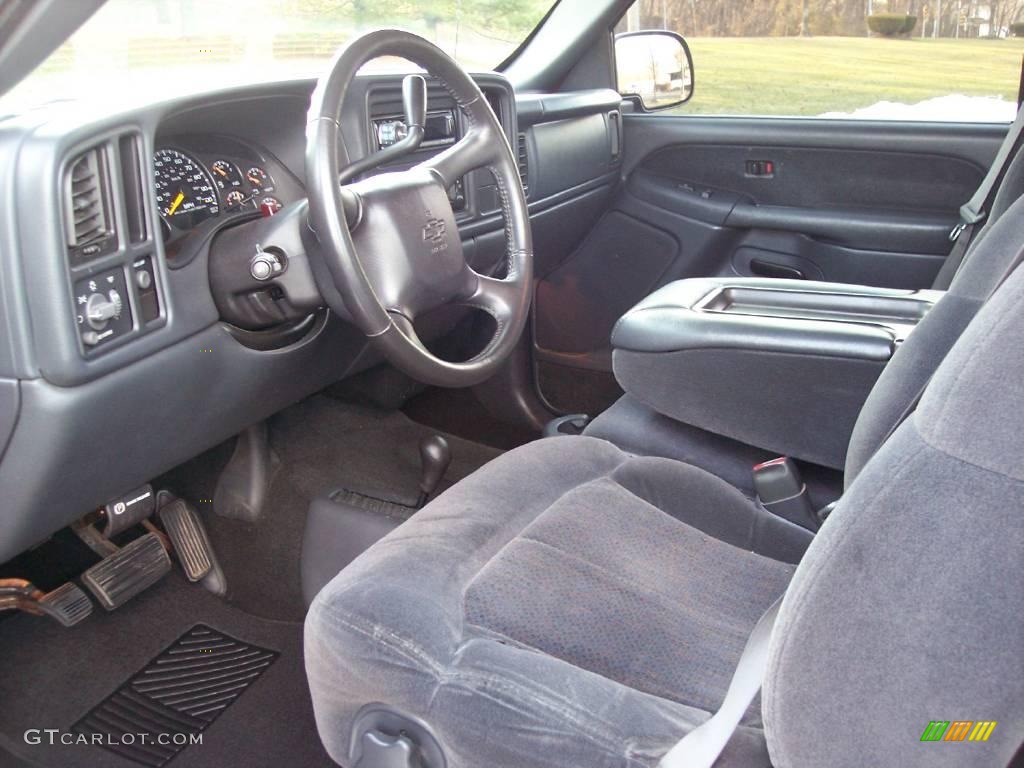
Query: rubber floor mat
166	705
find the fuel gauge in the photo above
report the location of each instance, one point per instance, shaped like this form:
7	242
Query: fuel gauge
226	175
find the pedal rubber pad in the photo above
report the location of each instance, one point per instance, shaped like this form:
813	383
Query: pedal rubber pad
119	577
68	604
189	538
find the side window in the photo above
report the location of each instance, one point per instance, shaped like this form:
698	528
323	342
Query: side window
935	60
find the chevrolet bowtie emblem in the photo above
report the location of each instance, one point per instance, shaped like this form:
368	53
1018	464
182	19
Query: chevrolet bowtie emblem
434	231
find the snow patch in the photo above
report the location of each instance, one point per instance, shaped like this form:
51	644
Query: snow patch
954	108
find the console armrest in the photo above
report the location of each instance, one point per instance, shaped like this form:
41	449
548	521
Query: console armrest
780	364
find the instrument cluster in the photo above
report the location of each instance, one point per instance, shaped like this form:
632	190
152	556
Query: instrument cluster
192	188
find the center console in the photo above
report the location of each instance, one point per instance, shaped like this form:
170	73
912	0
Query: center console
783	365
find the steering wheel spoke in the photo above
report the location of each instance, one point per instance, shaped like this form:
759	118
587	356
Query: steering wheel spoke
406	327
499	298
472	151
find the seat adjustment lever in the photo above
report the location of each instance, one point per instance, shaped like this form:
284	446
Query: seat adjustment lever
383	751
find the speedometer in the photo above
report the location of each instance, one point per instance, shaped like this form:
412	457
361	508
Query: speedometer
185	195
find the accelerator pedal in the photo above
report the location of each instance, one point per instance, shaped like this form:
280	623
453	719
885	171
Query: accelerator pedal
188	538
68	604
120	576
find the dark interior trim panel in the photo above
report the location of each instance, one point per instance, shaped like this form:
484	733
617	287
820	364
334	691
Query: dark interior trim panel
975	143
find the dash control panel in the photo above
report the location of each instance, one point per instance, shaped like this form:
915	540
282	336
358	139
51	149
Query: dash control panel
101	307
107	307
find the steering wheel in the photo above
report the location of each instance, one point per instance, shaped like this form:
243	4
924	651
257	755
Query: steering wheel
390	244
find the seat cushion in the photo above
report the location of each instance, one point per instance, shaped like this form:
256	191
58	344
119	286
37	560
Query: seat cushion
568	604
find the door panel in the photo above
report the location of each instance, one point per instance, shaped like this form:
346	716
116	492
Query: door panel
845	201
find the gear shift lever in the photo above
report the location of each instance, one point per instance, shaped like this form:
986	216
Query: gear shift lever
435	456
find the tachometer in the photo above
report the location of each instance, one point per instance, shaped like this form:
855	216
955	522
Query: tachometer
185	194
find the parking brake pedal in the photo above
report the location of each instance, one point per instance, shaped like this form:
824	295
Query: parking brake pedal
188	537
120	576
68	604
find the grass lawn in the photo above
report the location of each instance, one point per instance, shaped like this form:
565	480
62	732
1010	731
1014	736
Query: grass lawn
809	76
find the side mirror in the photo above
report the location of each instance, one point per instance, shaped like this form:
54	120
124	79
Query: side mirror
654	66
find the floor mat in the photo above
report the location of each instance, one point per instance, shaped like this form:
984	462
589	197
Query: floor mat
322	444
156	714
52	677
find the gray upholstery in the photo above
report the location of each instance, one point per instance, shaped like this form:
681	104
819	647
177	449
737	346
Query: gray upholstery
567	605
1008	191
909	605
987	263
573	605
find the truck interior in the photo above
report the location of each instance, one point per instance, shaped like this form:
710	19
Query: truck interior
437	416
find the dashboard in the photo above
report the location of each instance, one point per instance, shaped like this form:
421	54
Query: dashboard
213	177
188	191
130	344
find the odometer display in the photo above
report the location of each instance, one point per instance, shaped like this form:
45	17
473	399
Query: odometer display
185	194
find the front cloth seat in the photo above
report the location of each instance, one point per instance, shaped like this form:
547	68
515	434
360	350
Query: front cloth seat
573	605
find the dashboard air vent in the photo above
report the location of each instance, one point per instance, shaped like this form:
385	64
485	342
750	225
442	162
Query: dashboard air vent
87	213
524	163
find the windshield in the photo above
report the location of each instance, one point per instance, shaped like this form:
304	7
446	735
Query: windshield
180	46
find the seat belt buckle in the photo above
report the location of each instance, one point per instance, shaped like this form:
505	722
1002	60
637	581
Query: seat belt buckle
781	490
956	231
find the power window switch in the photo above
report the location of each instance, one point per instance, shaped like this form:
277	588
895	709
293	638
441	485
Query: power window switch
760	168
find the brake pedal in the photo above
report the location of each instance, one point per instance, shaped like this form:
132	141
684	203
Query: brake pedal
68	604
120	576
188	538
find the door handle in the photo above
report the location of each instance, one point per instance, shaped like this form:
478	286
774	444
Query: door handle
763	268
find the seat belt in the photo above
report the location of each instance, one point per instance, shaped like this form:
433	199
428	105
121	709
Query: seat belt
702	746
974	211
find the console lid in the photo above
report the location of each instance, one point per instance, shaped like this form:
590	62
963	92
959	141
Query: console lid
783	365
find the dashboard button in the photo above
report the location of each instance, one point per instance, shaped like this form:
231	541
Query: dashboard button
261	268
143	279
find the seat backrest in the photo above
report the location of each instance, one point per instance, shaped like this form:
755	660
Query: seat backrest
990	259
909	604
1008	191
